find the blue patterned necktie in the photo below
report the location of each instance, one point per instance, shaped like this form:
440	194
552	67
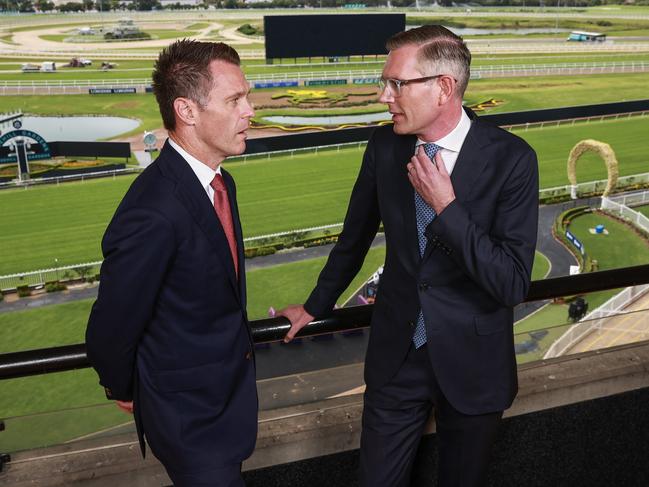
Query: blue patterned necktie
425	215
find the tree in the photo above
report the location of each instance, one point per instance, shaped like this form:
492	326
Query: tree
25	6
44	5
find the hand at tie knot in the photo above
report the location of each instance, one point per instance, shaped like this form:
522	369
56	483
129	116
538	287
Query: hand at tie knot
430	178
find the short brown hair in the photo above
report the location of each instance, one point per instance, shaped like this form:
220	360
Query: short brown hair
440	48
183	70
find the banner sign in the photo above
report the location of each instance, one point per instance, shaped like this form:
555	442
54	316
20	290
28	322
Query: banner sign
573	240
275	84
324	82
111	91
32	155
365	81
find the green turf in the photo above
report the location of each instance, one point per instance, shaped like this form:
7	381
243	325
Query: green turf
627	137
29	398
541	266
270	192
622	247
643	209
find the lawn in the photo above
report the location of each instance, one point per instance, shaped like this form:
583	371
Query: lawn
59	396
73	399
642	209
66	222
622	247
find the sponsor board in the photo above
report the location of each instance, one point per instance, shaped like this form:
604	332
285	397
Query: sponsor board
275	84
325	82
111	91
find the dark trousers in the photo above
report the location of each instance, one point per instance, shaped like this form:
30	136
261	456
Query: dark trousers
394	417
229	476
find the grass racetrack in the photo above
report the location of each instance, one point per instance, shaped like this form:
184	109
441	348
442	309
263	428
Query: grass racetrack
66	222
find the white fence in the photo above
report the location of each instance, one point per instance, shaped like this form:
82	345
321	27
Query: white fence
593	186
620	205
72	86
595	320
41	276
72	177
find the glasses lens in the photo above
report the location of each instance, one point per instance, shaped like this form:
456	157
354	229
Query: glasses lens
393	86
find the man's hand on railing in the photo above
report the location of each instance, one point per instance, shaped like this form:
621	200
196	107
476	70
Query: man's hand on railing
298	317
126	406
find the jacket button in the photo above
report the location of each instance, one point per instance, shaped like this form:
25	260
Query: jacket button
412	324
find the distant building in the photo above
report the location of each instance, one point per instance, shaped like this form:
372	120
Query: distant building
581	36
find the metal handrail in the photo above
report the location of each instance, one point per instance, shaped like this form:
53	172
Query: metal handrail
70	357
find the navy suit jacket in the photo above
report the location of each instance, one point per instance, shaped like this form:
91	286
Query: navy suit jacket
476	266
169	327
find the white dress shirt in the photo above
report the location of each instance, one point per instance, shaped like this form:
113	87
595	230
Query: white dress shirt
452	142
204	173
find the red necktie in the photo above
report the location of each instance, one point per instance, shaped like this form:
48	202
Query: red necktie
222	208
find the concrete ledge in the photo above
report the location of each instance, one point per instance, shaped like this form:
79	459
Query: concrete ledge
332	426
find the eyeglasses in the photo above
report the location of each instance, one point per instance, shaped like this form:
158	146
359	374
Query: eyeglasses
394	85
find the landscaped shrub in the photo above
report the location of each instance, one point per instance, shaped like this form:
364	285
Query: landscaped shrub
23	291
54	286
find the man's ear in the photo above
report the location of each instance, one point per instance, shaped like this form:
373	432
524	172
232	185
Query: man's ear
186	111
447	86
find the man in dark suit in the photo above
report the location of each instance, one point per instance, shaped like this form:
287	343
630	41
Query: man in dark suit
458	199
168	334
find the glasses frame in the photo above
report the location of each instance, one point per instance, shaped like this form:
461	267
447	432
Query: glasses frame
384	83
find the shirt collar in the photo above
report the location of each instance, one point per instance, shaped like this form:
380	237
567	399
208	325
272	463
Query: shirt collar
455	138
204	173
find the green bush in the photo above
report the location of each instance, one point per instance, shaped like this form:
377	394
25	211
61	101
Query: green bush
23	291
54	286
259	251
248	30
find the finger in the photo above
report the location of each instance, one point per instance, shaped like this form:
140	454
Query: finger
423	165
439	163
125	406
291	333
422	154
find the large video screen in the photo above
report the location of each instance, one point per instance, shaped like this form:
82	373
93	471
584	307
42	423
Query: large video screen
329	35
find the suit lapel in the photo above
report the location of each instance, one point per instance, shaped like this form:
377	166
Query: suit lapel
403	151
192	195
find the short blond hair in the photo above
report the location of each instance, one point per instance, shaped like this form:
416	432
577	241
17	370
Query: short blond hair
440	50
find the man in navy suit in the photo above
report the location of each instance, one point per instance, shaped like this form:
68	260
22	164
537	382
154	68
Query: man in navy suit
168	334
458	199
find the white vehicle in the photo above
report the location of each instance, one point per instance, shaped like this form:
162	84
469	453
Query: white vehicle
30	68
48	67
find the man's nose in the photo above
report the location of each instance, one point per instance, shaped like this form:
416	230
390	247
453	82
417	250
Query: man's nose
386	95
